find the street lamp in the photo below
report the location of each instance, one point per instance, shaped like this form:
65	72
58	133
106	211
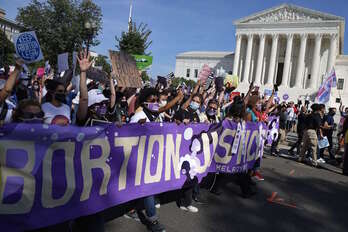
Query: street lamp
90	25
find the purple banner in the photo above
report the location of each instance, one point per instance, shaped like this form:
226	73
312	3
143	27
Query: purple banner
50	174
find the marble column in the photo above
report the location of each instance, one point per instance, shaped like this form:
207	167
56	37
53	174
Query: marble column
273	58
332	52
259	64
288	53
316	62
248	59
237	54
301	61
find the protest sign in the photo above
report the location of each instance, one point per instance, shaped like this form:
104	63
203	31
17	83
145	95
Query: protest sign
97	75
268	92
63	62
273	129
204	73
40	72
285	96
52	174
27	47
124	69
143	62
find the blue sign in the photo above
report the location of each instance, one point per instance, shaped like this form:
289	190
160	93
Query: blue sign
28	47
268	92
285	97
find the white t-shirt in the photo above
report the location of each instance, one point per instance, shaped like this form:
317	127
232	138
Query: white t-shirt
138	116
56	115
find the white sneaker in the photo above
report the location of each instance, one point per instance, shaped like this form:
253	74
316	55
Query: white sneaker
158	206
183	208
189	208
192	209
321	160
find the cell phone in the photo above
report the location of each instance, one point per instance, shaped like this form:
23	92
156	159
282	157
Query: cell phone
276	88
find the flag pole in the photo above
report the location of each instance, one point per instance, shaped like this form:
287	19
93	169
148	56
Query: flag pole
130	16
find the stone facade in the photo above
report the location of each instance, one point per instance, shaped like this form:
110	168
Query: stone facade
8	26
188	64
293	47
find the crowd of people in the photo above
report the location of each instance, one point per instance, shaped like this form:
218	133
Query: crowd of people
68	100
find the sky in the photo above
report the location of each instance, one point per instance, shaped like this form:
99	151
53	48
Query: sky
184	25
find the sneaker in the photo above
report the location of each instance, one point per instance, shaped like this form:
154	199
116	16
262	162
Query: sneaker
189	208
155	226
314	162
321	161
192	209
258	176
158	205
132	215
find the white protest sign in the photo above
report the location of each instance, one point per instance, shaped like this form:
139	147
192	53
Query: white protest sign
27	46
63	62
204	73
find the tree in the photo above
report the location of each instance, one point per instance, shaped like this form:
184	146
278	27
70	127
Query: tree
6	50
177	81
102	61
144	76
136	40
60	25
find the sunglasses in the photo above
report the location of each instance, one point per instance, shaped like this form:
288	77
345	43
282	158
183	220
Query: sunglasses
29	115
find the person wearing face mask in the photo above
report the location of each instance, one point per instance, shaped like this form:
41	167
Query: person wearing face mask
56	110
101	106
193	107
210	114
328	129
163	97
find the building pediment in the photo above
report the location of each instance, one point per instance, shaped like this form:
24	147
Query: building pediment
288	13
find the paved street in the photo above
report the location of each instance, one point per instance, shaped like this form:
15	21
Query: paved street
316	199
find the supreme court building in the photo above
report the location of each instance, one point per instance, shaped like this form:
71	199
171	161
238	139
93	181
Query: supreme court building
288	45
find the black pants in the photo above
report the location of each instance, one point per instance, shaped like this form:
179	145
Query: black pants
275	145
297	145
185	197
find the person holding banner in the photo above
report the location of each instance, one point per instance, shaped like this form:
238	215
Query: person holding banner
6	91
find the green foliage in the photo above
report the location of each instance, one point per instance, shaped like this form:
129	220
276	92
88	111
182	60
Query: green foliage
177	81
136	40
144	76
6	50
102	61
60	25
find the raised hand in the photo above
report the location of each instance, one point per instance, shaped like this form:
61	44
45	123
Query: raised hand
84	61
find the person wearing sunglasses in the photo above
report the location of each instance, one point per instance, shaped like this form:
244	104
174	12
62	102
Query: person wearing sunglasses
28	111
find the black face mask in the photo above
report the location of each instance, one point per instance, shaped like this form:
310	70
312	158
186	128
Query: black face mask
124	104
60	97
